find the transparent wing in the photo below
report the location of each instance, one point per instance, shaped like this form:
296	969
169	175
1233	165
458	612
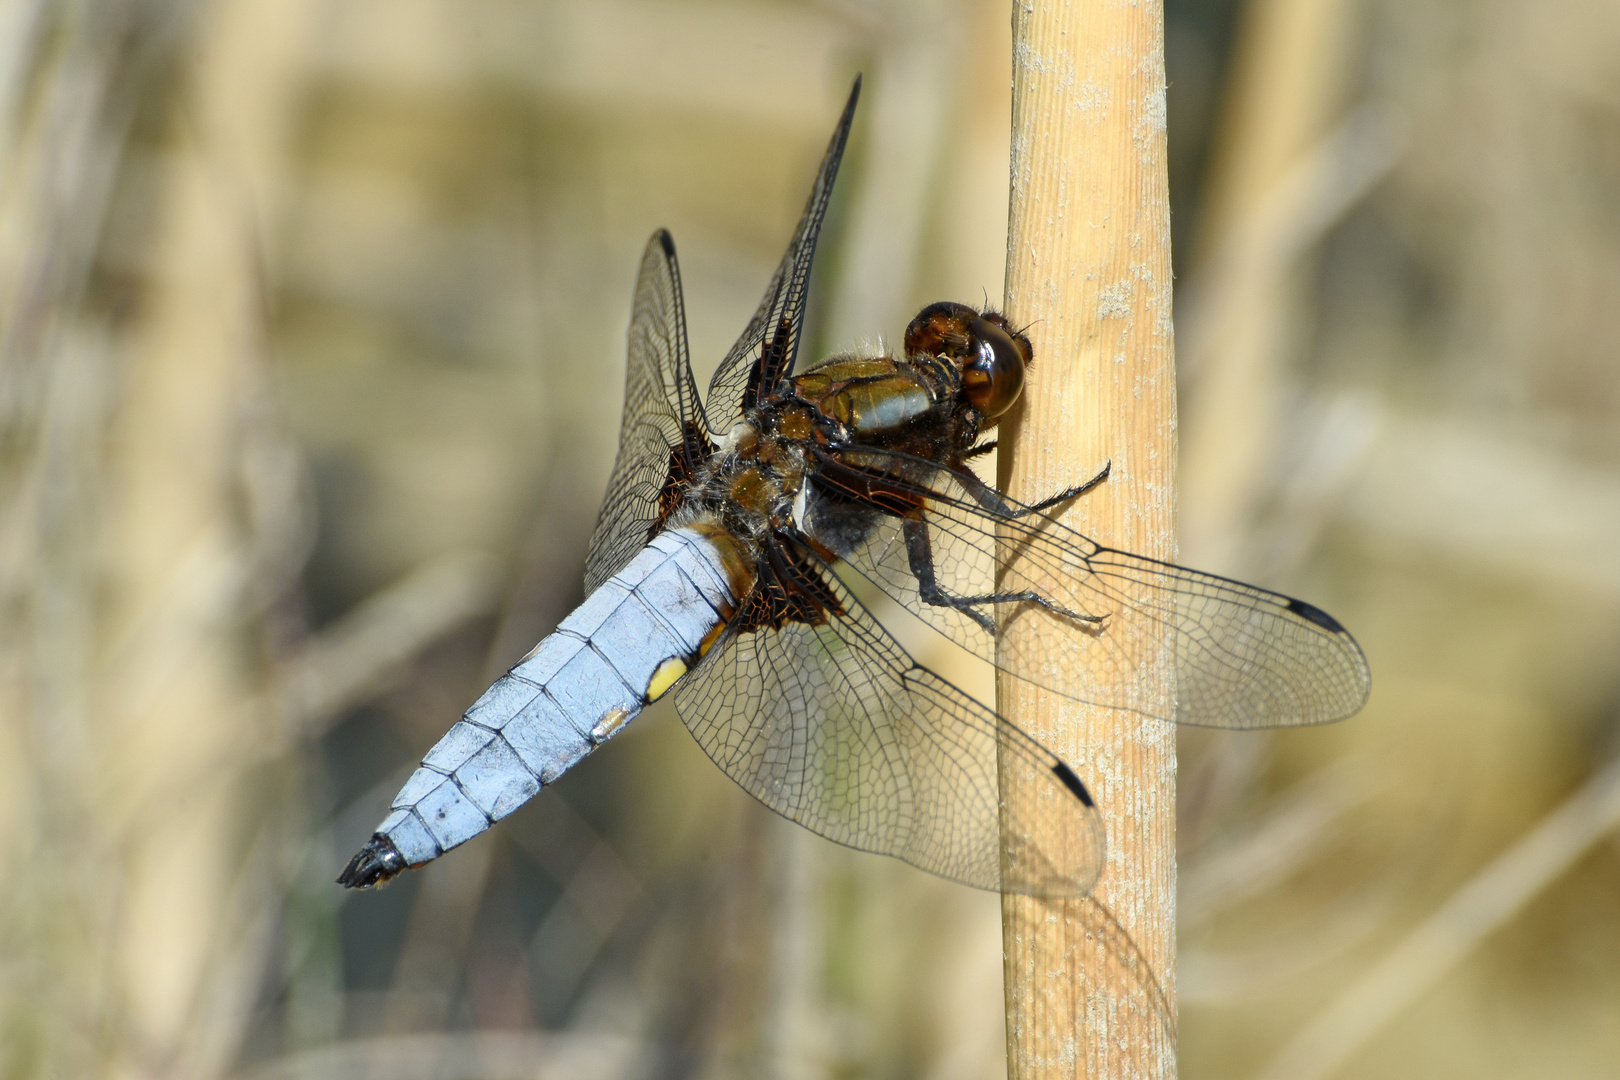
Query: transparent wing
661	437
1244	657
837	728
766	351
1122	1021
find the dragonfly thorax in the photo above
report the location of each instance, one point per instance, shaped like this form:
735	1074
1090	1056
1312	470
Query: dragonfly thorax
761	470
871	397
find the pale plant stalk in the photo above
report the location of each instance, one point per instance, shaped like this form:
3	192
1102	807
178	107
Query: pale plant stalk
1088	272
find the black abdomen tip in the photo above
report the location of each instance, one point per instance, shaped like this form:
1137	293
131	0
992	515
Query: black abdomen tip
375	864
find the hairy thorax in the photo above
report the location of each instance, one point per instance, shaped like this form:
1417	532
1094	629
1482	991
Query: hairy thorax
768	474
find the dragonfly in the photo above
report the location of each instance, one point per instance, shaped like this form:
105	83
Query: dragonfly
726	568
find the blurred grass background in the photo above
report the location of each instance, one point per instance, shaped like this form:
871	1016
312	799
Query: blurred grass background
313	317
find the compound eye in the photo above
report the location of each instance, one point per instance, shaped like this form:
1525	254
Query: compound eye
994	377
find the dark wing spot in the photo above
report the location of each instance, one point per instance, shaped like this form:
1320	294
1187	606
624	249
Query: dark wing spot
1312	613
667	242
1072	782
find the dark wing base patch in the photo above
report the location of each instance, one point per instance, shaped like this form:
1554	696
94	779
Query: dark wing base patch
685	462
791	588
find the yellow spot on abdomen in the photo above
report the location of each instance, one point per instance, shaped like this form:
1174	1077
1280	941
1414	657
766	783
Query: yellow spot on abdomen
711	637
668	674
613	721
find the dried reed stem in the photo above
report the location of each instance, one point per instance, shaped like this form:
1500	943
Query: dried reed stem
1088	270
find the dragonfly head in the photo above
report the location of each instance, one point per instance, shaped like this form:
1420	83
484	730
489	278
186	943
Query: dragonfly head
989	353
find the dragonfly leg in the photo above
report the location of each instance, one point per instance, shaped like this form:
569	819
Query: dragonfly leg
977	451
920	554
1069	494
993	501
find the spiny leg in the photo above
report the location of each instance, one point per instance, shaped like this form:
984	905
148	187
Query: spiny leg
993	500
920	553
1069	494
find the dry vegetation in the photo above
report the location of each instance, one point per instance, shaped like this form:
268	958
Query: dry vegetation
311	317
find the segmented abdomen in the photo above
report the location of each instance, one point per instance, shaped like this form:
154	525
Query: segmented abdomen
628	643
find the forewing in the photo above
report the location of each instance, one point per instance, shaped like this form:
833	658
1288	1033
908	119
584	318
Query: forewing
766	351
1244	657
837	728
662	430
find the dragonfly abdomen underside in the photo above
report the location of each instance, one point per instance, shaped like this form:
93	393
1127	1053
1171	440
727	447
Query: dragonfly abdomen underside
625	646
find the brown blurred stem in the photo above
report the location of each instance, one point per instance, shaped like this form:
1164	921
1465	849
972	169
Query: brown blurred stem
1275	168
1088	271
1484	904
